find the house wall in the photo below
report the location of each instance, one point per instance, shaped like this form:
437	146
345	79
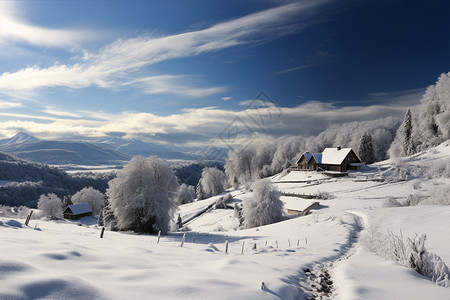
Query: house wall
350	158
302	164
336	168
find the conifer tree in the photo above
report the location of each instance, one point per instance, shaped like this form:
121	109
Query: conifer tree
366	149
199	191
406	134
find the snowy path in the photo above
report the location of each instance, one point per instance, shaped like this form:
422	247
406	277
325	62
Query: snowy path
320	276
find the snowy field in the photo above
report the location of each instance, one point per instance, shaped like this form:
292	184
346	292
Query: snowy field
68	260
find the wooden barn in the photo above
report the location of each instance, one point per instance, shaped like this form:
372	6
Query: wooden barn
77	211
331	160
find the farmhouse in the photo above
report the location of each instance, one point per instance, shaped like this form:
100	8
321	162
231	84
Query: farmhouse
309	161
77	211
331	160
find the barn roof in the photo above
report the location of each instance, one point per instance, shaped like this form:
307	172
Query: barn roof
334	156
79	209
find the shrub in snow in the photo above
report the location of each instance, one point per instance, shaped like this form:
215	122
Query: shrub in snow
221	203
91	196
391	202
264	207
324	195
141	195
184	194
416	184
50	205
410	253
440	196
212	182
413	199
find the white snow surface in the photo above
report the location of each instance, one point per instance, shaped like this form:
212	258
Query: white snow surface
68	260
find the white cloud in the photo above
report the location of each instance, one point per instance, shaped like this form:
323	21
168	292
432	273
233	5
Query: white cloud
226	98
197	127
118	63
7	104
173	84
13	29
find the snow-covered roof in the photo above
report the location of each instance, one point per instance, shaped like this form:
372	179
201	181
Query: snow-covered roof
317	157
333	156
81	208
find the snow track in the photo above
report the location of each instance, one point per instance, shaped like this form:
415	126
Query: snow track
319	276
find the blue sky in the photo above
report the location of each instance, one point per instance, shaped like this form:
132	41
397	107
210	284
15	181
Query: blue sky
180	72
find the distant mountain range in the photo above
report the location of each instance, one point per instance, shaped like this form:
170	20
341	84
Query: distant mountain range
99	152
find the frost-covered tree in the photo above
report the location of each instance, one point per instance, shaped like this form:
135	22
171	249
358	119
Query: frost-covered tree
238	166
50	205
365	151
67	201
91	196
433	123
140	195
245	165
213	182
264	207
108	219
184	194
403	144
199	191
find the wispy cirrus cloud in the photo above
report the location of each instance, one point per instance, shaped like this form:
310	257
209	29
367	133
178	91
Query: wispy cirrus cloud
14	29
122	62
8	104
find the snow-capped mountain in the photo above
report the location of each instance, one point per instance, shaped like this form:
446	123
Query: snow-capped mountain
60	152
20	138
136	147
103	151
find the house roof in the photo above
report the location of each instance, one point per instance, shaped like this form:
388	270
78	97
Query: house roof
79	209
317	157
333	156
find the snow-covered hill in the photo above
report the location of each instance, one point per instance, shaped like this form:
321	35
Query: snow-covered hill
292	257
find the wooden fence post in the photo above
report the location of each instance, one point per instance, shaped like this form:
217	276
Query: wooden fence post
306	241
242	250
289	242
226	246
28	218
298	242
103	231
182	240
276	242
159	235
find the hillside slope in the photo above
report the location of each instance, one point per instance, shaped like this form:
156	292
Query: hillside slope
70	261
24	181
